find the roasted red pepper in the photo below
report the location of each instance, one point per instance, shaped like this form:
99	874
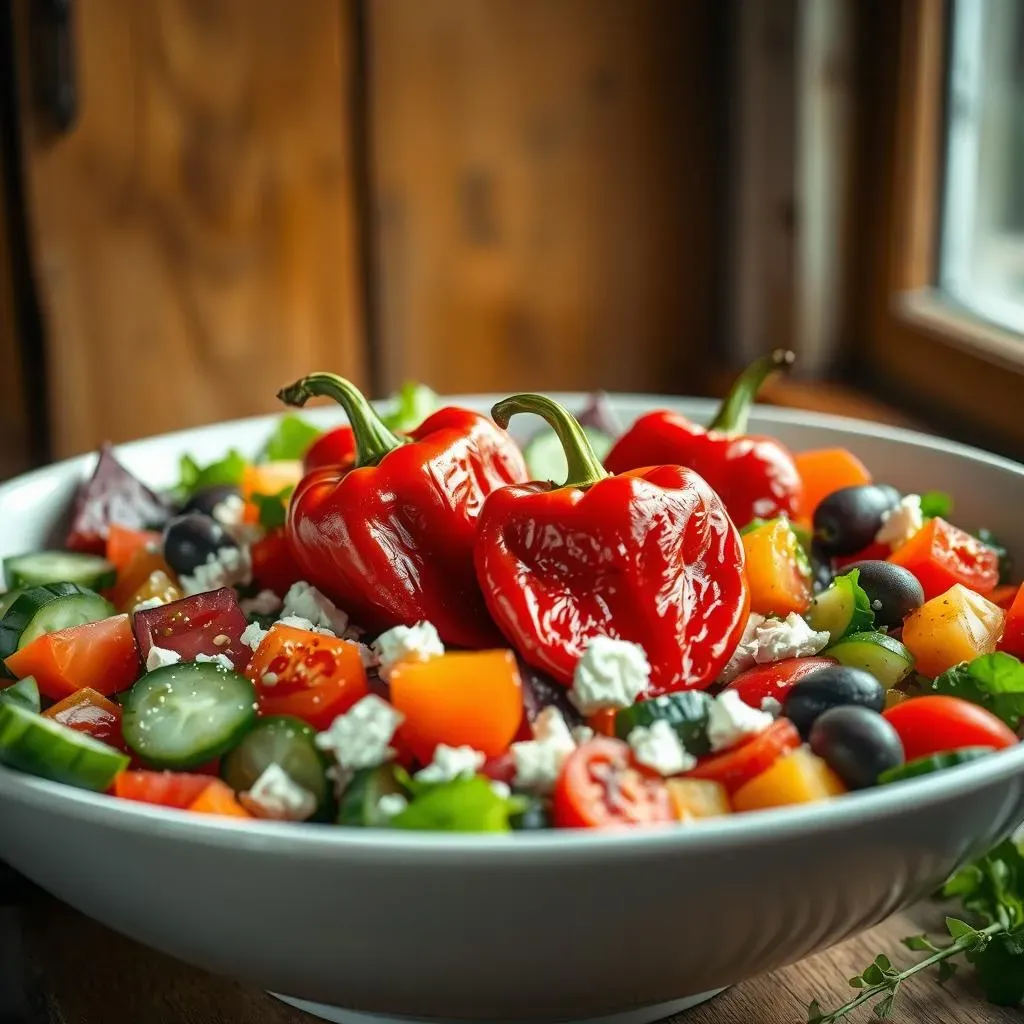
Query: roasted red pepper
755	476
649	556
390	539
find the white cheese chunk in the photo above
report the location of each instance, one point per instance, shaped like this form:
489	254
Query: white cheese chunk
743	657
361	738
658	747
790	637
452	763
216	659
391	804
770	706
407	643
150	602
611	674
277	796
306	602
901	523
301	622
539	761
253	634
161	657
730	721
266	602
226	567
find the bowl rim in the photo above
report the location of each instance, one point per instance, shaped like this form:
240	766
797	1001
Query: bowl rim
850	810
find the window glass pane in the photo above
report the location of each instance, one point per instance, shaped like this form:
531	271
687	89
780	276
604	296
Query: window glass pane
982	260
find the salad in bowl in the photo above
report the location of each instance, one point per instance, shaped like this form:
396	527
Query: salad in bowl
412	622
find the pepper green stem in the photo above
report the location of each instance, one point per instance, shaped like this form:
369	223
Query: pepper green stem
584	466
373	439
735	410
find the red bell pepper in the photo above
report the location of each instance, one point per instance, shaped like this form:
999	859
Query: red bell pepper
649	556
756	477
335	448
391	538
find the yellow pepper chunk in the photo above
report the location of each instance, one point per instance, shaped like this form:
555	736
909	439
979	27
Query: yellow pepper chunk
777	570
797	778
953	627
698	798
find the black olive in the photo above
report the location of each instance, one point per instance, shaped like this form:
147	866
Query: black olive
857	744
536	815
847	520
190	539
822	569
831	687
893	591
208	498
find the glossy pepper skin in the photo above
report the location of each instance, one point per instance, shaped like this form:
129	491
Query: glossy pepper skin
390	537
649	556
756	477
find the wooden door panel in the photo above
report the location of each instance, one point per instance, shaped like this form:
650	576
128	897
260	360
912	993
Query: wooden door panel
541	170
194	236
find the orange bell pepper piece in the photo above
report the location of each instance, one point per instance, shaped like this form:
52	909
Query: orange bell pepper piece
797	778
123	543
777	570
825	470
956	626
218	798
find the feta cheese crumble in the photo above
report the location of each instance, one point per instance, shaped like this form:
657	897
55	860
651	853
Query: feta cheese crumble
452	763
765	641
538	761
161	657
306	602
150	602
611	674
658	747
266	602
770	706
216	659
277	796
407	643
253	634
230	513
901	523
391	804
743	657
226	567
500	789
730	720
361	738
301	622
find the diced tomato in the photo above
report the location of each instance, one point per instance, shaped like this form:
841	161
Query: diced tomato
124	543
158	586
101	655
90	712
934	724
941	555
775	680
218	798
603	721
735	768
167	789
335	448
472	698
273	567
873	552
141	566
824	471
1004	595
210	623
600	787
309	675
1012	641
777	571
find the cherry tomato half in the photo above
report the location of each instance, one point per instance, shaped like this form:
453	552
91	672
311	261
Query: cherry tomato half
775	680
599	787
735	768
941	554
932	725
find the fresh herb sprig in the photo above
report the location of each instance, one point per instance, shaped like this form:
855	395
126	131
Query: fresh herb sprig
991	891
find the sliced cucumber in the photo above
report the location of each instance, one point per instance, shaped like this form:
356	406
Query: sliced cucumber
933	763
360	803
842	609
685	710
24	693
182	716
885	658
287	742
7	599
545	457
46	609
90	571
40	746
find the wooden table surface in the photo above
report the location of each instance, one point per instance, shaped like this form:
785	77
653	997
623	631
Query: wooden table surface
76	972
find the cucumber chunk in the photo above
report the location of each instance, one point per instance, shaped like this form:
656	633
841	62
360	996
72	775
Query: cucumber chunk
933	763
685	710
47	609
841	609
7	599
287	742
360	803
40	746
182	716
24	693
92	571
885	658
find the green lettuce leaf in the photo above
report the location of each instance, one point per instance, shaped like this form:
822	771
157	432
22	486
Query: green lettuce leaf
995	681
290	440
414	403
462	805
936	504
273	508
193	477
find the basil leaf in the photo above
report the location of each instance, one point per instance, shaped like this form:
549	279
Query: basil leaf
273	508
936	504
290	440
193	477
989	539
863	618
995	681
462	805
415	402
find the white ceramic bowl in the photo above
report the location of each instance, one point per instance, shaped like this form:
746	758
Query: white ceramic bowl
545	927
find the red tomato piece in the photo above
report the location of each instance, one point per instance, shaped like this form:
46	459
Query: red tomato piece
167	789
335	448
210	623
273	567
1004	595
600	787
309	675
934	724
873	552
941	555
775	680
100	655
1012	641
90	712
735	768
124	543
